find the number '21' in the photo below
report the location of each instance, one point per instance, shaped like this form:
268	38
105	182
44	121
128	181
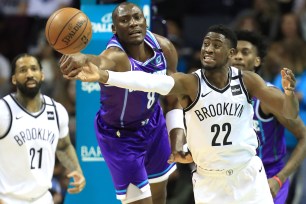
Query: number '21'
32	154
226	127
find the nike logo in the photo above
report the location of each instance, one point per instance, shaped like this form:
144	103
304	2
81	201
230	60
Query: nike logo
260	169
203	95
18	117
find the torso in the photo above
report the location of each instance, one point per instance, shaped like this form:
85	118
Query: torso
29	146
219	124
270	132
123	108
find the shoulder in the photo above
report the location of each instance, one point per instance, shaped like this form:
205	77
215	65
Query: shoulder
61	110
165	43
118	56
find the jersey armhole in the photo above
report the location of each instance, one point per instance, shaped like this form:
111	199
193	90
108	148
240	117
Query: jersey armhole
11	121
198	94
249	99
56	113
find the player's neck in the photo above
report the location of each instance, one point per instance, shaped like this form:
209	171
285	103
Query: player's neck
140	52
30	104
218	78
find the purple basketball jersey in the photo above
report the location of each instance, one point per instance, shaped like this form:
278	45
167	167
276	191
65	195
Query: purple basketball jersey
272	148
128	108
131	129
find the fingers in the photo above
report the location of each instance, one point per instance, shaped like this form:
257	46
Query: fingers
78	183
180	157
288	75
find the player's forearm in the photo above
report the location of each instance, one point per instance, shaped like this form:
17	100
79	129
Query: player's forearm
138	80
101	62
291	106
68	158
296	158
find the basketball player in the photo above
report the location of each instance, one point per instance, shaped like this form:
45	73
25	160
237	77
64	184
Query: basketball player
269	125
130	125
218	115
33	127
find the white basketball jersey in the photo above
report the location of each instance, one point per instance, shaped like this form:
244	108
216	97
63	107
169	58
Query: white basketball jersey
28	150
219	124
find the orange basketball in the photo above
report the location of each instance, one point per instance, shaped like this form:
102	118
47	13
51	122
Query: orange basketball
68	30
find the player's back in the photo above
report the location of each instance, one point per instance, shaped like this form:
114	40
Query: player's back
270	131
124	108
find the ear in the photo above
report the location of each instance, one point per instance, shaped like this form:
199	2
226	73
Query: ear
113	29
14	80
232	52
257	62
42	76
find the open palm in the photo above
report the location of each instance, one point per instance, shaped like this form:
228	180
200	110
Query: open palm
87	73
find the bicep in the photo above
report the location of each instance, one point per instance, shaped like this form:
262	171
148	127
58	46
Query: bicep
114	59
63	120
258	88
63	143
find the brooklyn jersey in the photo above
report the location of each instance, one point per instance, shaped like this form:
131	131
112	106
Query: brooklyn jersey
219	124
28	143
272	149
124	108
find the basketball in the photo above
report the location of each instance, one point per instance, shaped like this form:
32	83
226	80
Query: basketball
68	30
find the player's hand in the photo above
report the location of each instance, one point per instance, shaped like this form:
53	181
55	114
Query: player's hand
180	157
70	65
88	73
288	81
274	186
78	183
1	202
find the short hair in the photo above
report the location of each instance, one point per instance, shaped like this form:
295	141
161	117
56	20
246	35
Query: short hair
21	56
227	32
256	39
124	3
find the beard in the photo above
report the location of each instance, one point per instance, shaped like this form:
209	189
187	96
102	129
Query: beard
29	92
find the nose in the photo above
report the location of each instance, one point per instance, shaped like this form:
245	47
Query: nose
133	22
29	73
238	56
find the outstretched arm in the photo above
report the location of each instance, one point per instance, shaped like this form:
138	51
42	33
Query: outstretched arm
67	156
287	104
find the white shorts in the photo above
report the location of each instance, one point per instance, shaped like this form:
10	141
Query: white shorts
247	184
44	199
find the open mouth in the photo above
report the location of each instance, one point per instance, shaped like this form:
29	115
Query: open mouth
135	33
31	83
208	59
238	65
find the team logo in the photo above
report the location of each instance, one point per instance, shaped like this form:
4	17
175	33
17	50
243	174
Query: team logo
50	115
236	90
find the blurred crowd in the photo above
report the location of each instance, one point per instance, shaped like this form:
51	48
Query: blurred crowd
282	22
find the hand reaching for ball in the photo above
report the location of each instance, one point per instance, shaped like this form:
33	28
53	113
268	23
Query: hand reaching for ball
77	66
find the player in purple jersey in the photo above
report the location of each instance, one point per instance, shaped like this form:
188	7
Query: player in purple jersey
130	125
268	124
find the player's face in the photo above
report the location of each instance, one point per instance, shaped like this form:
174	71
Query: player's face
245	57
130	24
28	76
215	51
